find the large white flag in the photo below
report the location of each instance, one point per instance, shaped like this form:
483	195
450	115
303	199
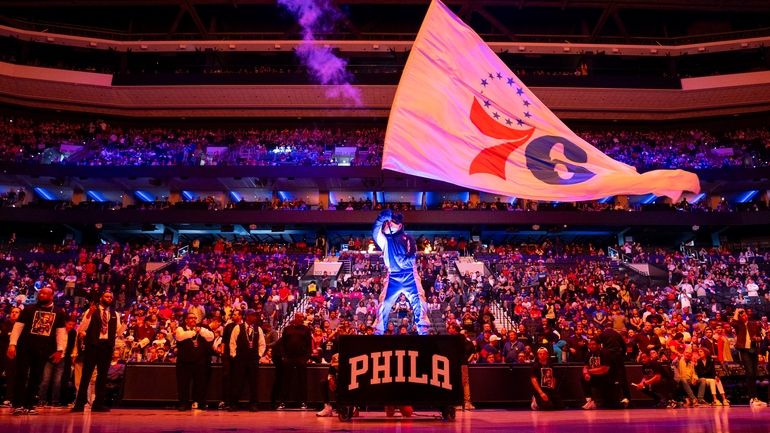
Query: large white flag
461	116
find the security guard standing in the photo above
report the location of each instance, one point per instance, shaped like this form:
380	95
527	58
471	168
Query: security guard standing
247	345
192	345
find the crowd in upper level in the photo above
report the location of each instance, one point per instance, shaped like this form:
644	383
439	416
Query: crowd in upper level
100	143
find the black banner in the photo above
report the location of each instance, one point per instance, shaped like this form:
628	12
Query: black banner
377	369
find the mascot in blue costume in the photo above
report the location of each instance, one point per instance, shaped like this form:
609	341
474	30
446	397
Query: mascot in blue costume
399	252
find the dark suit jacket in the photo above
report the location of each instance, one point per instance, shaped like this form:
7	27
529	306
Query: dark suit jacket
755	332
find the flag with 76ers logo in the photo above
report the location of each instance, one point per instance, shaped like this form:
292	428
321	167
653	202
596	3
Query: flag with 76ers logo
461	116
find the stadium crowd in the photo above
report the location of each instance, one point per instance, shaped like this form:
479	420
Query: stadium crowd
99	142
558	298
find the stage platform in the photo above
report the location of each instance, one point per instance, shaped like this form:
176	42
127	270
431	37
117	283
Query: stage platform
698	420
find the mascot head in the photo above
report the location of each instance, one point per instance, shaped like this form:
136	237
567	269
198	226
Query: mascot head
393	225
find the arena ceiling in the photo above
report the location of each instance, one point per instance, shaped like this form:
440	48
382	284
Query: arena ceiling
504	20
562	4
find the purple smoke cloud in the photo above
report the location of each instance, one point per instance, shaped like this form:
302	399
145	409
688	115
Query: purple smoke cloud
328	69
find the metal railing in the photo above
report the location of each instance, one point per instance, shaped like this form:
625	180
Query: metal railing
502	318
299	307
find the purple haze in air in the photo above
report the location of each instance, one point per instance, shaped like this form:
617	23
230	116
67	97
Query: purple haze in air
328	69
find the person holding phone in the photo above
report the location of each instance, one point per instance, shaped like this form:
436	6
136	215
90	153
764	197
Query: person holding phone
748	335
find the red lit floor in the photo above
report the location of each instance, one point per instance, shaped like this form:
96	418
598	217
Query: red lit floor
700	420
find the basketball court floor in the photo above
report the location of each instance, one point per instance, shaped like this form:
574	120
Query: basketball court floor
697	420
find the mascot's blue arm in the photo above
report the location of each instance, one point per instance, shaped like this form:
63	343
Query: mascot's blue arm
379	238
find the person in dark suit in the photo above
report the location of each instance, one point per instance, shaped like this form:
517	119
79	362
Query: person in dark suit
227	360
98	329
192	344
748	335
708	342
7	366
276	393
296	348
246	346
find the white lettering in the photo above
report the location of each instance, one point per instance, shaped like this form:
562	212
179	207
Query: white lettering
400	378
441	371
381	368
358	366
413	378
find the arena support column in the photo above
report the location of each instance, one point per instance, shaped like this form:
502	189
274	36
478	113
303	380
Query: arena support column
128	199
78	196
323	199
474	198
174	196
714	200
715	242
622	236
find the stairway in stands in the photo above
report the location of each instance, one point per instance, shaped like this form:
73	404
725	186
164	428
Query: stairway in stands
502	318
644	275
347	267
451	267
615	267
299	307
437	324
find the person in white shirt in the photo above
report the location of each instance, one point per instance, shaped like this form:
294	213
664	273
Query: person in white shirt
752	289
686	287
701	290
193	344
